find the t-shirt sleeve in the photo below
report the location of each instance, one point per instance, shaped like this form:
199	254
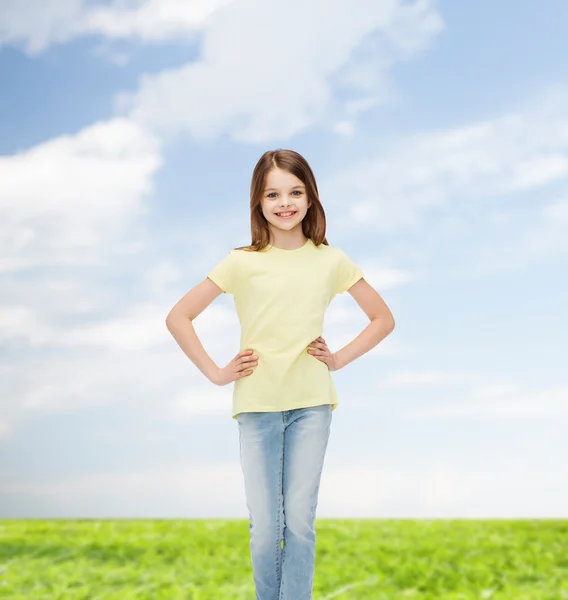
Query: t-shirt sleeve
346	273
224	273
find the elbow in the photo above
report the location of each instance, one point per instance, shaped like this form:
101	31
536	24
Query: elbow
385	322
170	319
175	317
388	319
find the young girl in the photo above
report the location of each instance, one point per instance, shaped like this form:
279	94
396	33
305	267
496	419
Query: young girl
283	395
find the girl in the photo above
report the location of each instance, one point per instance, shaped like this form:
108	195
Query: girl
283	395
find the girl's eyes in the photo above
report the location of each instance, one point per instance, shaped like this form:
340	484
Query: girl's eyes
268	196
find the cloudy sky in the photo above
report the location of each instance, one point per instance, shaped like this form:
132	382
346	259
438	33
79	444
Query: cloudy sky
438	134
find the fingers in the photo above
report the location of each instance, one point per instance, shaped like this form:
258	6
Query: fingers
318	348
246	359
246	355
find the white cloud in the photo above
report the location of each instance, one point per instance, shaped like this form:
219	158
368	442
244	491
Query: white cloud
344	128
73	201
50	22
38	24
64	199
418	379
384	278
108	360
548	234
508	401
395	189
474	394
443	489
361	103
150	20
537	171
241	83
515	244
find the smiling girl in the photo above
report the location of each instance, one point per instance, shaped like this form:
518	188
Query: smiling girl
283	395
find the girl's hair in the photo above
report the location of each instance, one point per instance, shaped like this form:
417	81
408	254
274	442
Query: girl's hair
313	224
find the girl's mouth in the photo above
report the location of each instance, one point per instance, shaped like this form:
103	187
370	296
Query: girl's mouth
286	213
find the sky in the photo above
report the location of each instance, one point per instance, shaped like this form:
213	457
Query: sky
438	135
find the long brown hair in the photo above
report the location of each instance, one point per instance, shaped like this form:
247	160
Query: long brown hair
313	224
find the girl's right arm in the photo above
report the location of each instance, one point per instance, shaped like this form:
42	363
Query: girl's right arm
179	324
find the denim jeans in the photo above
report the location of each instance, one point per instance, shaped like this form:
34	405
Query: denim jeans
282	456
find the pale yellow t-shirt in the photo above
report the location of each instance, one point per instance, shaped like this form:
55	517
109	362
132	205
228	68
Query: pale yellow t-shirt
281	297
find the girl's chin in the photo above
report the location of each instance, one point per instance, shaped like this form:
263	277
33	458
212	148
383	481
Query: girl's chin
279	221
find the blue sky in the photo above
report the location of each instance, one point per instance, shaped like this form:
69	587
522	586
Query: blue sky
438	134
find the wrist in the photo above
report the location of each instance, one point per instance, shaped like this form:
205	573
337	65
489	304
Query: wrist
338	360
213	374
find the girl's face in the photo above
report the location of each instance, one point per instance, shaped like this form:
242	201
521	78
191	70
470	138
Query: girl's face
284	192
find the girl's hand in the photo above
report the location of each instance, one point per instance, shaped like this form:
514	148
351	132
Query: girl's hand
318	349
237	368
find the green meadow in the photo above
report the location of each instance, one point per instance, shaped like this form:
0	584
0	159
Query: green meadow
367	559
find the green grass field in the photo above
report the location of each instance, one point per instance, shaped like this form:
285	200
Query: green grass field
369	559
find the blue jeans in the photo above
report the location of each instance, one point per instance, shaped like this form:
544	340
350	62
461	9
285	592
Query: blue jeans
282	456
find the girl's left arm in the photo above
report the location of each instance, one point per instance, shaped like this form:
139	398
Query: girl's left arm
381	325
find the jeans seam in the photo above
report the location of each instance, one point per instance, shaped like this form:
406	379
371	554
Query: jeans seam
279	510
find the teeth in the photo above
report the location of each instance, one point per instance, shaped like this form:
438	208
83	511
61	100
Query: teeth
286	214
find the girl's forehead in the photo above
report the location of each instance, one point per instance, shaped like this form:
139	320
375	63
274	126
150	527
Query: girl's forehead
278	177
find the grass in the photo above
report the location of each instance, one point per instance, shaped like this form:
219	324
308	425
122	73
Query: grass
370	559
